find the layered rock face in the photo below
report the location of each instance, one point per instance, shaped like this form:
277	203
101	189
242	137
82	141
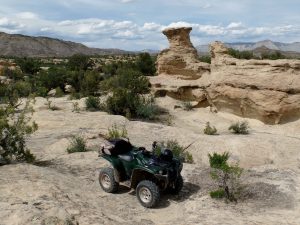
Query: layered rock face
268	90
181	58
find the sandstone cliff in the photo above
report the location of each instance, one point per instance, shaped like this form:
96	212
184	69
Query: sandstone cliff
268	90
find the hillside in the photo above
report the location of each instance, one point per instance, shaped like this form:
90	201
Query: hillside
17	45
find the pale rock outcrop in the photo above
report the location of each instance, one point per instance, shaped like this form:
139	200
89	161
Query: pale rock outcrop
52	93
268	90
181	58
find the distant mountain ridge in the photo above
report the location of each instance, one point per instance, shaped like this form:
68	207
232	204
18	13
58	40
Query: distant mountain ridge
250	46
18	45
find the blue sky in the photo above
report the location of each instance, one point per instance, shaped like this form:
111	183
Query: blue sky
137	24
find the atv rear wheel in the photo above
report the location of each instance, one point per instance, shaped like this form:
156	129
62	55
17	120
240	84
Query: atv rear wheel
147	193
107	180
177	186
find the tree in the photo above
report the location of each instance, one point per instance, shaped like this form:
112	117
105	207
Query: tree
14	128
146	64
79	62
29	65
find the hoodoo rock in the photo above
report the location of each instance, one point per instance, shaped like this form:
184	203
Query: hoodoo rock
268	90
181	58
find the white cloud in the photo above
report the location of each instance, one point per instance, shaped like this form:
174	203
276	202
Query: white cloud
27	15
235	26
103	33
127	1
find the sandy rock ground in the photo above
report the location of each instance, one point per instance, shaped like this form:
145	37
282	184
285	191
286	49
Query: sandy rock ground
63	188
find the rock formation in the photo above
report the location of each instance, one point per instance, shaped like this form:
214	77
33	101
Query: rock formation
181	58
268	90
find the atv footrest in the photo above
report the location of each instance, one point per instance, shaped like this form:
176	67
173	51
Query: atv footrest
127	183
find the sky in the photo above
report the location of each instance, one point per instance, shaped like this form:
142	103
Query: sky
137	24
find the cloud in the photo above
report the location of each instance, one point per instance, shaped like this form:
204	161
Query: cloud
27	15
127	34
127	1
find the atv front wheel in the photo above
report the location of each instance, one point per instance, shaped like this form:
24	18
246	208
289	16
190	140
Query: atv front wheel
147	193
177	186
107	180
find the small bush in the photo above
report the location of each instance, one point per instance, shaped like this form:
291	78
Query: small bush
116	132
226	176
41	91
205	58
217	194
15	127
77	144
240	127
209	130
187	106
92	103
147	109
178	150
23	88
59	92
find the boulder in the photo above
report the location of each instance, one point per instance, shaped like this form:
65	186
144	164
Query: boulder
52	93
69	88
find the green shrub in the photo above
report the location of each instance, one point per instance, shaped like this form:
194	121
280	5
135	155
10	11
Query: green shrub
147	109
41	91
209	130
29	65
77	144
92	103
187	106
23	88
127	78
15	127
90	83
79	62
220	193
59	92
206	59
52	78
117	132
146	64
239	127
178	150
240	54
123	102
226	176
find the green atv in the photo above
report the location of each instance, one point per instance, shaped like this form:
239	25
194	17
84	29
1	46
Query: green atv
141	170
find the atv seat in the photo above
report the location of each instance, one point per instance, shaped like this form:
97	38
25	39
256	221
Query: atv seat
127	157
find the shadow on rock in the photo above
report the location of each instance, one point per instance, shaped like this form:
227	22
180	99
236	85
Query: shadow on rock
187	192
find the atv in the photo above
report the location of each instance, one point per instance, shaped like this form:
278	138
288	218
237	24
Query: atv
142	170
